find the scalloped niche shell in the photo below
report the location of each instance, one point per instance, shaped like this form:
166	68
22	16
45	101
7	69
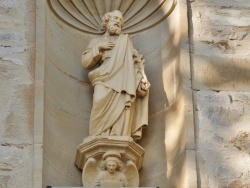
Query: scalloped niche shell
85	15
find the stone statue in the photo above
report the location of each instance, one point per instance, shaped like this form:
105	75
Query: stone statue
111	174
109	157
120	100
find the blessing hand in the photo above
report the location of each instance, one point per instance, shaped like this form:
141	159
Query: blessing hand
103	46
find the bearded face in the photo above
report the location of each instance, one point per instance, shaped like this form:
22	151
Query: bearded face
112	22
114	28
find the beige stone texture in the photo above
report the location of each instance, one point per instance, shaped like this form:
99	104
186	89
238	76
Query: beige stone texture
222	73
221	40
121	87
219	64
212	106
111	161
223	137
94	146
17	52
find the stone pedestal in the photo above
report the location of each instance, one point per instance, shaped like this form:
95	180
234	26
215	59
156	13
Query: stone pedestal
109	161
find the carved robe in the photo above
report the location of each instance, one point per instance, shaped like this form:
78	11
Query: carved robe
117	110
117	179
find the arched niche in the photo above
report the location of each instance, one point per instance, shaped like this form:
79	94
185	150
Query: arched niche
68	94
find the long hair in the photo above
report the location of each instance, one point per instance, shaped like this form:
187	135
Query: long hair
106	17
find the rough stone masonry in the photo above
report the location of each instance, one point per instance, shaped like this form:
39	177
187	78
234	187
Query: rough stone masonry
17	50
219	49
220	66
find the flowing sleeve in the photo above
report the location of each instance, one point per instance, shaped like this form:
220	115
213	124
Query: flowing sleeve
91	56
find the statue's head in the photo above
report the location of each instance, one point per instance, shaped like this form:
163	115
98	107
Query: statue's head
113	22
112	165
111	162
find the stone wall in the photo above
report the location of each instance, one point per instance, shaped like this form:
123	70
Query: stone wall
220	80
17	50
216	64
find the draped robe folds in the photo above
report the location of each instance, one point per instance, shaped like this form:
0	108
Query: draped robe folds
116	111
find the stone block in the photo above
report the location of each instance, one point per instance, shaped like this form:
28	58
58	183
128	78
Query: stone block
223	137
221	29
17	116
16	91
219	73
14	163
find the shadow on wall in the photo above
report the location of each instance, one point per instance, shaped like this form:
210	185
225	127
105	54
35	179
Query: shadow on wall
164	139
220	82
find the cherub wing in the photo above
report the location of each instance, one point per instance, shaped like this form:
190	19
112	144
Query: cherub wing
90	172
131	174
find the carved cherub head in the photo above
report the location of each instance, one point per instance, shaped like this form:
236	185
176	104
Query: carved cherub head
111	162
111	166
112	172
113	22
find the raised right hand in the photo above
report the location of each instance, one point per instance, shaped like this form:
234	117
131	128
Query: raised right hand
105	46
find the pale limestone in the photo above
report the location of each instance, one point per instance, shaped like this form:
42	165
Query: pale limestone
219	35
221	29
120	85
223	122
221	73
95	153
119	80
17	38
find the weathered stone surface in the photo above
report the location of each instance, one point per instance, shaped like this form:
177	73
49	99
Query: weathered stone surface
111	161
220	45
221	28
16	83
223	137
219	34
238	184
221	73
241	141
15	165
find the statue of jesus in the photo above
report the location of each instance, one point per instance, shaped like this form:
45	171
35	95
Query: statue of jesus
121	88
